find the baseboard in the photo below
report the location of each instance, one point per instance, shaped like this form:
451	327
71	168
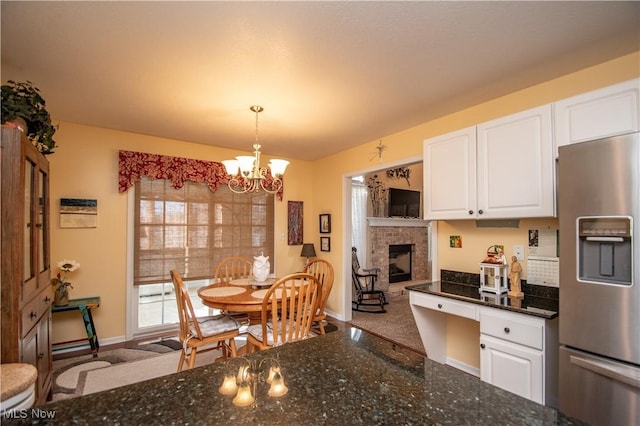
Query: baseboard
84	348
470	369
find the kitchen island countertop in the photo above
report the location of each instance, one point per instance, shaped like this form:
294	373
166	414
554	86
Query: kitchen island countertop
345	377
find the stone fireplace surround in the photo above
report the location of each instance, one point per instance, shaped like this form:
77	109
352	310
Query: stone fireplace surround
384	232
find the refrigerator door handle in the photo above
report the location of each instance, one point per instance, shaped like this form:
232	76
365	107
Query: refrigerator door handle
619	373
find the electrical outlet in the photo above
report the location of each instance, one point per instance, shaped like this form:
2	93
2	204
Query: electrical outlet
518	252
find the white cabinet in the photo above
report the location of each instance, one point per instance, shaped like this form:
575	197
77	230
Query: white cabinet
450	175
518	353
512	367
610	111
503	168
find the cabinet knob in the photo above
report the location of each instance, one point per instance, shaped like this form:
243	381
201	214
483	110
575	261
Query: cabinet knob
482	345
47	299
439	305
470	211
41	355
38	225
480	211
32	315
507	329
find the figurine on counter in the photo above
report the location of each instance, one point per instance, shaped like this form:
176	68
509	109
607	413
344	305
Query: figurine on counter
514	278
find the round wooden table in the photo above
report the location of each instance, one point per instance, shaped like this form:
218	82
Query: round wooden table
236	296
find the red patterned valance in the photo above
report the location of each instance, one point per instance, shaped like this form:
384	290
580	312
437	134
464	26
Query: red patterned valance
133	165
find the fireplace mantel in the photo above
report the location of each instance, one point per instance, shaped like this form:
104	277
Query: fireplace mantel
397	221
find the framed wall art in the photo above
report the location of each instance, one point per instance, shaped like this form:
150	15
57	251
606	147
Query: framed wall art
78	213
325	244
294	219
325	223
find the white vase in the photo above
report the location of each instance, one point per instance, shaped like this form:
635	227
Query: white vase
261	268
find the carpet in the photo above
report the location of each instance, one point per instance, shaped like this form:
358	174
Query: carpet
397	324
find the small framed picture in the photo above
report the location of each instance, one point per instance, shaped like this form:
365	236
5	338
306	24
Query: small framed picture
325	244
325	224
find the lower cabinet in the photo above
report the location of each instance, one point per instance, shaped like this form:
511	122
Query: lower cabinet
512	367
36	350
519	353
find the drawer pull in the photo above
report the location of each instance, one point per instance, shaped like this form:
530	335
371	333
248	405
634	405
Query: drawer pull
40	355
32	315
470	211
439	305
482	345
507	329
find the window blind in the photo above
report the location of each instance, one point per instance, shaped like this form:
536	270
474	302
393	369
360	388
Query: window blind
192	229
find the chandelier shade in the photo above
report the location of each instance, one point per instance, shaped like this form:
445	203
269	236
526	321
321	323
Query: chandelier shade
246	174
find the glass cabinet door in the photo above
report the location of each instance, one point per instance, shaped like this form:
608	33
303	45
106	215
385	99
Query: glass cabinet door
28	265
42	225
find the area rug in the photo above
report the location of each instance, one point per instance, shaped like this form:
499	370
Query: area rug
71	375
397	324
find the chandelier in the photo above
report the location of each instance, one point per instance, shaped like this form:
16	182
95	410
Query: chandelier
246	173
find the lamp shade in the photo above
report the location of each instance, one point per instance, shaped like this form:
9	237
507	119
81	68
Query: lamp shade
308	250
278	167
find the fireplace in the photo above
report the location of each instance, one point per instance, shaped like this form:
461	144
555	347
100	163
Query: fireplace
400	263
385	232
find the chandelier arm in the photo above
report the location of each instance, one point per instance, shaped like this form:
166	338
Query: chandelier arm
275	183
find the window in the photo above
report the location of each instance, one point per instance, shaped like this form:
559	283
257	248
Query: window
191	229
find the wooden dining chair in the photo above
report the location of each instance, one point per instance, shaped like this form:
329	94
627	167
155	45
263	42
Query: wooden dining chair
232	268
201	334
323	271
288	309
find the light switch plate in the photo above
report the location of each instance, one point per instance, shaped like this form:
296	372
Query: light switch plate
518	252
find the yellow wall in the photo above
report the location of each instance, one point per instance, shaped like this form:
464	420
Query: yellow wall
85	166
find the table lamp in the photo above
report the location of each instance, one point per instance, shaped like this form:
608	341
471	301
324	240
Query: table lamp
308	250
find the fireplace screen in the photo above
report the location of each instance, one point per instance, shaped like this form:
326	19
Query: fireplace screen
399	263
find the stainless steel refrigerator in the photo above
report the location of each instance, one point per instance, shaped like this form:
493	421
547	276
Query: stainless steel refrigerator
599	214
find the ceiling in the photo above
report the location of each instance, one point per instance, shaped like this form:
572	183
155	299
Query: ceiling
330	75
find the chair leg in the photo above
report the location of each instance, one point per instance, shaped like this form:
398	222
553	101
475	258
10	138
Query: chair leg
232	348
321	327
192	358
181	362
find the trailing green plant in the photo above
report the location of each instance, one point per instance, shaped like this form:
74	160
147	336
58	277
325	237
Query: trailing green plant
23	100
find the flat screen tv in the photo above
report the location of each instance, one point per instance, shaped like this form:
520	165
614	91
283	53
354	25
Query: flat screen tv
404	203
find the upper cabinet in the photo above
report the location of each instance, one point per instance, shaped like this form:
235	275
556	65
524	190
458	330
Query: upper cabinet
610	111
500	169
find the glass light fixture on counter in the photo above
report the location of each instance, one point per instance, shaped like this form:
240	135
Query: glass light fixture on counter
244	375
246	173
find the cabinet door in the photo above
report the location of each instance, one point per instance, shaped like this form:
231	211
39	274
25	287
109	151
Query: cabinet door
610	111
450	175
516	173
36	350
512	367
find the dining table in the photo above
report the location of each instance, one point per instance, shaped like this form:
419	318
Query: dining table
237	295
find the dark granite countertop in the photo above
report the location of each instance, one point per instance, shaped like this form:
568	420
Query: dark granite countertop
535	302
344	377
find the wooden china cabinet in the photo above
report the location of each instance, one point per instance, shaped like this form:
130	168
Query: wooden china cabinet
25	266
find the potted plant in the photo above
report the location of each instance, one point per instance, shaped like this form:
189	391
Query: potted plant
61	295
22	101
